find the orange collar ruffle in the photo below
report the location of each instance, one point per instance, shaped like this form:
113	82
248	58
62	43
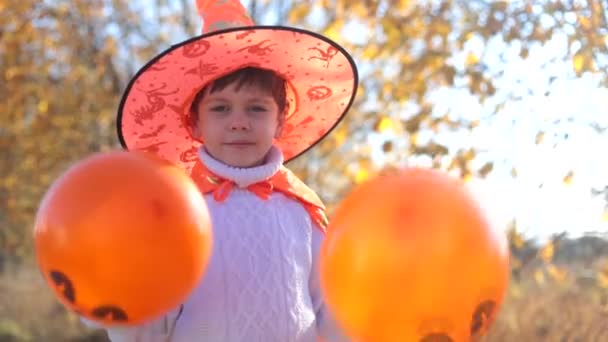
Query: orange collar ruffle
283	181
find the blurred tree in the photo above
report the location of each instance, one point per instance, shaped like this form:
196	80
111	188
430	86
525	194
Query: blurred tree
409	48
64	64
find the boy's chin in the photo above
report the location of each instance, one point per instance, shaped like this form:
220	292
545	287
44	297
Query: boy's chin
245	162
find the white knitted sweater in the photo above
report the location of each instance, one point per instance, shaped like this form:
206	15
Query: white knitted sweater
262	282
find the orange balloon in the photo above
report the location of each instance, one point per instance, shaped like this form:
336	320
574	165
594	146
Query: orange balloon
123	237
409	256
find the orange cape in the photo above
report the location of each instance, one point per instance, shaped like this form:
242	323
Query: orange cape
284	181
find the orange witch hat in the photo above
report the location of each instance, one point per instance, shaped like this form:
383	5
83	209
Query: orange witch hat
321	82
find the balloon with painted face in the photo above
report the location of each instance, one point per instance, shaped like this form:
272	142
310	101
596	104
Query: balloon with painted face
122	237
410	256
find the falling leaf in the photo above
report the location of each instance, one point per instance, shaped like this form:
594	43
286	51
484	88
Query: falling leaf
540	136
485	169
513	172
568	178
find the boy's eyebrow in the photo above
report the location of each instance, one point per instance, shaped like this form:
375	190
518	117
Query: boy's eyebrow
215	98
266	99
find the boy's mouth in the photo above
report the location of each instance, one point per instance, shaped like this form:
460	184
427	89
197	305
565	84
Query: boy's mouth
239	143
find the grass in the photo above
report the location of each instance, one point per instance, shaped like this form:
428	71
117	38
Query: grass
571	310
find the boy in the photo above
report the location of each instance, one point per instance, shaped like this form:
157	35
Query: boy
231	107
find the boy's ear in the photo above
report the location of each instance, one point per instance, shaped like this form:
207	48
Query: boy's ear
279	129
196	130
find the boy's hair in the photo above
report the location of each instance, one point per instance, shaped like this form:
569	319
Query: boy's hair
266	80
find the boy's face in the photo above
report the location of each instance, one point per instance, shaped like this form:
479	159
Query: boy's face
238	127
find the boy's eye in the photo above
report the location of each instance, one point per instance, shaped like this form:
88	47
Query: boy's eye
219	108
258	109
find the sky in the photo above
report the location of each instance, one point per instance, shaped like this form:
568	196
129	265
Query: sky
538	199
508	139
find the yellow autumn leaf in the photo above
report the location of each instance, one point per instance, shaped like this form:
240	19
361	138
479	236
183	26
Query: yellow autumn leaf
387	88
468	177
384	125
516	238
578	62
11	72
334	30
63	8
403	5
340	136
361	175
516	290
413	138
406	58
43	106
540	136
299	11
370	51
513	172
361	90
546	253
539	276
111	47
568	178
472	59
359	9
434	126
584	22
556	273
602	279
10	181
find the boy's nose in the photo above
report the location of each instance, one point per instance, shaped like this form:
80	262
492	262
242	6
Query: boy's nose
239	124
